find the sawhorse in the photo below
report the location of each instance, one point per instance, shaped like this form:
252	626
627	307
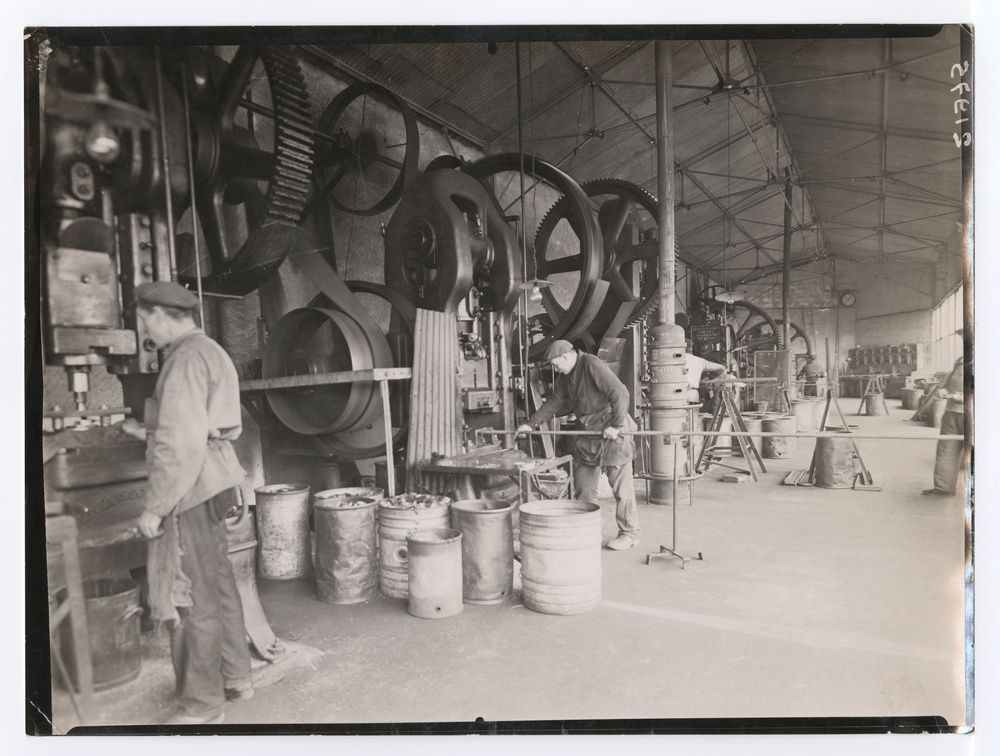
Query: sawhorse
726	407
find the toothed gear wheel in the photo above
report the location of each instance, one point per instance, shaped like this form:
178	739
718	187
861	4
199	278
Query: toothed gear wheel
622	197
229	163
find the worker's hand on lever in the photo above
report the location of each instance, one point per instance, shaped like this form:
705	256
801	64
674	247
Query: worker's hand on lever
134	428
522	429
149	525
611	432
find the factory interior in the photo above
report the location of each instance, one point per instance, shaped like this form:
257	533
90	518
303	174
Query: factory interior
761	243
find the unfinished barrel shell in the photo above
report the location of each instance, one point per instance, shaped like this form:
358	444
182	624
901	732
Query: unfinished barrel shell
836	462
487	549
561	556
934	412
283	529
875	404
911	398
398	518
754	424
778	447
434	572
346	548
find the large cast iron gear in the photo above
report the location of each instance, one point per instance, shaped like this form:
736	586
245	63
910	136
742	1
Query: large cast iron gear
618	199
342	159
229	164
588	295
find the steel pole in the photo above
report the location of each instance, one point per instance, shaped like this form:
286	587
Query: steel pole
665	179
786	270
667	362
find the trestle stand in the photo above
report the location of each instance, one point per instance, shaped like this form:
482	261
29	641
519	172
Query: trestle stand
671	551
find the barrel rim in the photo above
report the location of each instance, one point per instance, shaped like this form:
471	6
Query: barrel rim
328	493
282	488
465	506
392	503
327	500
434	536
538	507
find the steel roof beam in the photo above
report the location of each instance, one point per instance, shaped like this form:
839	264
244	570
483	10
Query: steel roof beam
833	123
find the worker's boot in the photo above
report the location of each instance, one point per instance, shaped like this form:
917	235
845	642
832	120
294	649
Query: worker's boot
622	541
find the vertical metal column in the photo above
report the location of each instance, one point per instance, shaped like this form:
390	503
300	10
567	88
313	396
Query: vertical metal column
786	270
668	384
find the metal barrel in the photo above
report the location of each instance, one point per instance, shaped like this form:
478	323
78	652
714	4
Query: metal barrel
283	528
346	547
773	447
911	398
875	404
934	412
487	549
112	608
434	571
754	424
561	556
836	462
398	518
327	475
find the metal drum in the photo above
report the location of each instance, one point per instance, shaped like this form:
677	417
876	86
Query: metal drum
561	556
754	424
487	549
327	475
836	462
398	518
113	610
934	412
346	549
283	529
434	573
778	448
875	404
911	398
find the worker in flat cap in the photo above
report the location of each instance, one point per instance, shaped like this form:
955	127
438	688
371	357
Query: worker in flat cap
948	458
586	387
190	423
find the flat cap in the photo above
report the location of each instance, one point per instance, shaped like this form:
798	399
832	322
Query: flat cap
557	348
166	294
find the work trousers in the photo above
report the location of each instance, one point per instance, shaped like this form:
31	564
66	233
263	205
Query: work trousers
949	453
586	478
209	645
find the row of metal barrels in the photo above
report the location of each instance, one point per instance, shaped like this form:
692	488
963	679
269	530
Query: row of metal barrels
435	553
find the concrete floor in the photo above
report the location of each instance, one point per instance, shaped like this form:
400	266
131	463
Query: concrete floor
809	602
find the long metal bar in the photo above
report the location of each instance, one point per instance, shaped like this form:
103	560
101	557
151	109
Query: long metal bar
525	294
390	463
326	379
191	192
165	160
669	433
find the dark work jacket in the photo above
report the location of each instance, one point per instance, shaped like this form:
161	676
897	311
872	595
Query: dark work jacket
599	400
191	421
